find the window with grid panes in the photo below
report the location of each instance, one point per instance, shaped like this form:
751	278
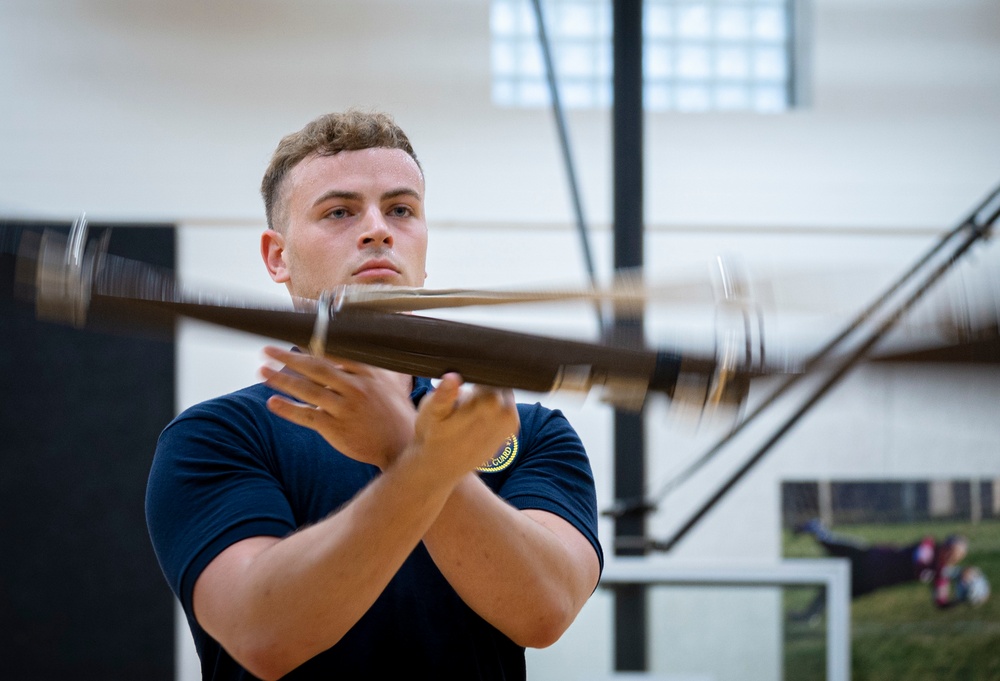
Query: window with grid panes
706	55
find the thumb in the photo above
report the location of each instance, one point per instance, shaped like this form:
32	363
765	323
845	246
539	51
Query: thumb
442	401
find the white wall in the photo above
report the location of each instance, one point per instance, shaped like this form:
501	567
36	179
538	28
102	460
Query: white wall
142	110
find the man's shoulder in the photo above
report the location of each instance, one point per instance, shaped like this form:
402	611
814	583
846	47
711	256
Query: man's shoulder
232	427
251	398
242	409
545	431
536	417
534	410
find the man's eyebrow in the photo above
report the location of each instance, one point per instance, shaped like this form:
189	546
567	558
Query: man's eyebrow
337	194
401	191
356	196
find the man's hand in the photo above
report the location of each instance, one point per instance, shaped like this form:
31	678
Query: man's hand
258	597
457	431
362	411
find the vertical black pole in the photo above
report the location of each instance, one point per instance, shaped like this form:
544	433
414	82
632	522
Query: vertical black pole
629	438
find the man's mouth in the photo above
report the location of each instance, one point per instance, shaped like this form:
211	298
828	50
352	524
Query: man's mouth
376	269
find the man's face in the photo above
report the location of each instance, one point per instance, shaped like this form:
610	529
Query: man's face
356	217
957	553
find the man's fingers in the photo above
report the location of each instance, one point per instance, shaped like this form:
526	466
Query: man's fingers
342	364
501	399
442	400
503	396
296	412
324	371
302	389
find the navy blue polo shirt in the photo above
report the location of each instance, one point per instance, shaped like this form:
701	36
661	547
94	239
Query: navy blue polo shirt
228	469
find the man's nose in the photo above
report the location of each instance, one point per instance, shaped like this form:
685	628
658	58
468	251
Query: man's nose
375	230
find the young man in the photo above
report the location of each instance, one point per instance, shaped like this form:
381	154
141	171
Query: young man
342	521
880	566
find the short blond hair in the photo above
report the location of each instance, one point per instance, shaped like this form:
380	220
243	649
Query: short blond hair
327	135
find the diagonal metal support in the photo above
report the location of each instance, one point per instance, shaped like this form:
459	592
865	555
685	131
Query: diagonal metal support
567	153
979	215
977	226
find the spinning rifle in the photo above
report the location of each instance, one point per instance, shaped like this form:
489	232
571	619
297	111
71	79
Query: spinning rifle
74	280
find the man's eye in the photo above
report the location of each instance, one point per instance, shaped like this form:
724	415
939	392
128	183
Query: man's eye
401	211
338	213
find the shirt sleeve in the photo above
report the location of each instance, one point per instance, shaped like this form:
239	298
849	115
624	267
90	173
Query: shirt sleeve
209	487
553	473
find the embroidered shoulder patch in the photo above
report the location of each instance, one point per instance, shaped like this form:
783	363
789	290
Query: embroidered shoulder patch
503	458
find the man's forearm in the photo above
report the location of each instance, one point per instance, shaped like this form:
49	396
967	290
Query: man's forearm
528	573
276	608
275	605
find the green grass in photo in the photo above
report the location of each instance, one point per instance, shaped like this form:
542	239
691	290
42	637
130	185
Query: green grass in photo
898	633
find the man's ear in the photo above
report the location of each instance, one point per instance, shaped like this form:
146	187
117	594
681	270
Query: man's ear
272	249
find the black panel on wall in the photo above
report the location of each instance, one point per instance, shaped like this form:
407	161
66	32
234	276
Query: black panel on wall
81	595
